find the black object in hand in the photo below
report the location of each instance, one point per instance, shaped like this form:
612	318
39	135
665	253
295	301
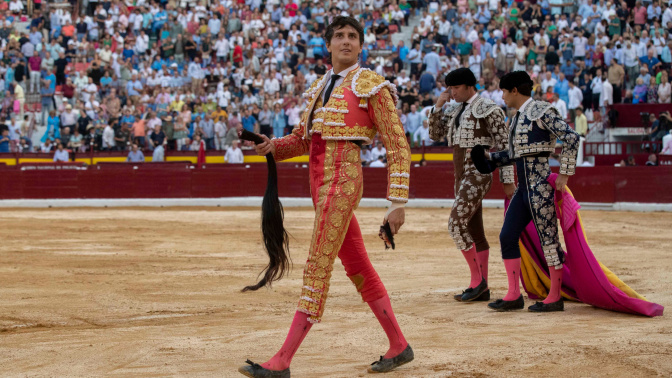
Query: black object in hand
482	164
386	234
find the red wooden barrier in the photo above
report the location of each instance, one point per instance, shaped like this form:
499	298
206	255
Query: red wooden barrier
180	180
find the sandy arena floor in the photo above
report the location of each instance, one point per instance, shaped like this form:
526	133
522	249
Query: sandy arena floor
155	292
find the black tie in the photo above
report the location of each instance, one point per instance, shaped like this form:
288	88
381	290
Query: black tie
459	115
327	94
512	133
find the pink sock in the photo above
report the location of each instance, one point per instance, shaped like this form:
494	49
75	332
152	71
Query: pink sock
297	332
472	260
513	274
556	285
382	308
483	257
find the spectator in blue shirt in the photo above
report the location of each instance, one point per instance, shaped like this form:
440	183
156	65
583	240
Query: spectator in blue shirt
317	43
53	128
432	63
52	80
128	118
135	156
134	87
47	100
159	20
569	69
483	15
562	88
427	82
413	120
248	120
403	51
651	61
4	141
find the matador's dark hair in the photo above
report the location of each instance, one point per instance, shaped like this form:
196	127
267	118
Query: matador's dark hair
341	22
276	239
338	23
519	80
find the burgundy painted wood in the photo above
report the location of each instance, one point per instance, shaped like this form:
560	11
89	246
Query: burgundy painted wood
629	114
180	180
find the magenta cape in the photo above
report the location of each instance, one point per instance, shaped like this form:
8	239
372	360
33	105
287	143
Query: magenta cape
584	278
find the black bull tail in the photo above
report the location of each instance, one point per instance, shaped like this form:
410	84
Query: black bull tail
276	239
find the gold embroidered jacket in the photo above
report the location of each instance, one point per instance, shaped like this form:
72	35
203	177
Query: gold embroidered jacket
481	123
361	107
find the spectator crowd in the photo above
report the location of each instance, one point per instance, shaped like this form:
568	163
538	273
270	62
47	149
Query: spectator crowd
108	75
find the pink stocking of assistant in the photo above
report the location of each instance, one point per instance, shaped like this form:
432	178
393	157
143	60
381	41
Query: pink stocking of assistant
297	332
472	260
483	257
513	274
556	285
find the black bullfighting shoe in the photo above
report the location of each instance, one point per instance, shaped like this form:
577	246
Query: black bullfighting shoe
388	364
550	307
472	294
502	305
482	298
253	370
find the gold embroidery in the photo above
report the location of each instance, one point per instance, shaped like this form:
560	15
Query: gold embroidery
351	171
342	203
349	188
392	135
323	262
333	117
367	81
332	233
336	219
399	181
352	156
328	248
351	132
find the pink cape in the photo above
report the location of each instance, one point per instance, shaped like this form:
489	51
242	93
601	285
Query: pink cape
584	278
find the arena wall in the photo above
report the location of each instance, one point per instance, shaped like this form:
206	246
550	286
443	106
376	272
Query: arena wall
182	180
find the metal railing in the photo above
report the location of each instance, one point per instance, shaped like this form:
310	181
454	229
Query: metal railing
621	148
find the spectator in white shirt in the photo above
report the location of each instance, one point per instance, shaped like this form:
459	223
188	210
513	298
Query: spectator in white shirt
46	146
559	104
61	154
575	98
293	116
378	163
365	155
271	86
108	138
607	96
89	91
234	155
378	151
422	134
548	81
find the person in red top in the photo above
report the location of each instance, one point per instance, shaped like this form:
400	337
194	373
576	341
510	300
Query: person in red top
292	8
68	29
237	53
34	63
68	90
